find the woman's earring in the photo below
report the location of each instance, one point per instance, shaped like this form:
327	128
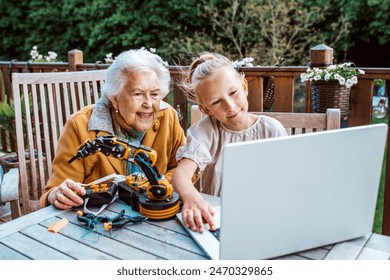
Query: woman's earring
116	111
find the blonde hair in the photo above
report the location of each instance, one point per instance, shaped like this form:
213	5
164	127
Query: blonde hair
203	67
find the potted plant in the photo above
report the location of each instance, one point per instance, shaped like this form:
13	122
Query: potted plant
331	86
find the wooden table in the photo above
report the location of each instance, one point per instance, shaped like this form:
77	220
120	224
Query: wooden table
28	238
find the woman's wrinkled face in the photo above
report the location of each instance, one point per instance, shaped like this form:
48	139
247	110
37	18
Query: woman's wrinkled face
139	102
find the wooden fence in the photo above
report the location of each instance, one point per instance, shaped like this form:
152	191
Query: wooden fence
286	83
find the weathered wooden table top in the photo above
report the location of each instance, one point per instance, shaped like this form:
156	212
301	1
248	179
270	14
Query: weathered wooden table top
28	238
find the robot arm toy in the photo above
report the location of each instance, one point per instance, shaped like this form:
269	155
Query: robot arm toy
149	192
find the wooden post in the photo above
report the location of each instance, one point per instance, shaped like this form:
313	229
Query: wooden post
321	56
75	57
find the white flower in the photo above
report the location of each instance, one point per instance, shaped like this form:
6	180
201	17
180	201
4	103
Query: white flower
52	55
34	54
345	73
36	57
349	83
317	78
109	59
245	62
327	77
304	78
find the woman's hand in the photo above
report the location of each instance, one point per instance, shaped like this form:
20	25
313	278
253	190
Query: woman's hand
67	195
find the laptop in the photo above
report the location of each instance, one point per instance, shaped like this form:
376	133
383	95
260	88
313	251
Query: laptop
289	194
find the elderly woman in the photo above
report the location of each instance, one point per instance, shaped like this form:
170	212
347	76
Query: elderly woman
131	107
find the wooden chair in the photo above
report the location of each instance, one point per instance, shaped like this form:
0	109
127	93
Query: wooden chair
43	103
295	123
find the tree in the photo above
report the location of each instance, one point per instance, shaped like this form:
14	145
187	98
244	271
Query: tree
267	30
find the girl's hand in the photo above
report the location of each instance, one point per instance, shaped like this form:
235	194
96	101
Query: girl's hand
196	212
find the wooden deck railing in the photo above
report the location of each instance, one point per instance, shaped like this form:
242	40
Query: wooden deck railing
286	81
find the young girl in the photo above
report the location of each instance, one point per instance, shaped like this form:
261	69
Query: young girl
220	92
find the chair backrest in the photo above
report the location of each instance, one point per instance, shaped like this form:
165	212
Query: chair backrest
43	102
295	123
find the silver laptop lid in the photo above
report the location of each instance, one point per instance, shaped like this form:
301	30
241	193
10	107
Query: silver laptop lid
289	194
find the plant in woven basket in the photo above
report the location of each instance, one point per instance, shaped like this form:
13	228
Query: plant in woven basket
345	73
331	86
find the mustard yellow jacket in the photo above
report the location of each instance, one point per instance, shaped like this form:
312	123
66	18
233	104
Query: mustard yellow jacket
165	137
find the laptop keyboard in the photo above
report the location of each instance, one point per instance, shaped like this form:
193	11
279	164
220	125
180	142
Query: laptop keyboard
216	233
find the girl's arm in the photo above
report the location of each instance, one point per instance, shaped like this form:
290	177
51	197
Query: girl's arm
195	209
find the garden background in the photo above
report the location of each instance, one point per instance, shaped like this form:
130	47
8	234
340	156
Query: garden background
270	31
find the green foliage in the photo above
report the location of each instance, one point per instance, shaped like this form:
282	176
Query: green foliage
14	29
380	82
7	117
178	29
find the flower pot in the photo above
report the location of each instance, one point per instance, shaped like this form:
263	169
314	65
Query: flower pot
330	94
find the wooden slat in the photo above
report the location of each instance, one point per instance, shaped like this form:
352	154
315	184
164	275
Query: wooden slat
87	93
95	90
53	124
293	122
63	243
60	110
72	88
80	95
7	253
255	93
46	153
99	241
284	94
180	98
32	248
38	144
66	99
361	95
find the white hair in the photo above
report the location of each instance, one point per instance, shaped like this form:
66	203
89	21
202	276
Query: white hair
135	61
